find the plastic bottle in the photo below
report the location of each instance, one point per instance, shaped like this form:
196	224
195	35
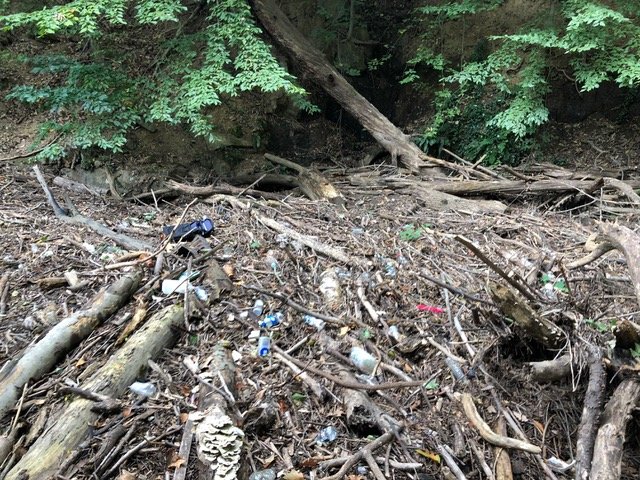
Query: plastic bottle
327	435
145	389
314	322
258	308
264	346
268	474
363	360
271	320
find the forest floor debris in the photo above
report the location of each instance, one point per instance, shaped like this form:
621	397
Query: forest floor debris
382	272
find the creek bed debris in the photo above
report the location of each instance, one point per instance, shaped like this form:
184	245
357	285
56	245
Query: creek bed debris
402	336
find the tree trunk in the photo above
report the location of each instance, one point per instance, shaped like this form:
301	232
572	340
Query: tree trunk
72	425
39	358
390	137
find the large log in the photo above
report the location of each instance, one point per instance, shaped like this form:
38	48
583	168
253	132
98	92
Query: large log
39	358
609	447
74	422
390	137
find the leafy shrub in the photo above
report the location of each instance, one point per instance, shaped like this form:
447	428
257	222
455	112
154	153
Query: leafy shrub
96	101
500	97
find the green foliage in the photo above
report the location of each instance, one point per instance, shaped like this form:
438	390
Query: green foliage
596	41
601	327
411	233
94	102
635	351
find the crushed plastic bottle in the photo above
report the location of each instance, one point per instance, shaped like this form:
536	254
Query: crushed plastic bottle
326	435
264	346
258	308
363	360
271	261
144	389
314	322
394	333
330	288
456	370
390	270
271	320
268	474
170	287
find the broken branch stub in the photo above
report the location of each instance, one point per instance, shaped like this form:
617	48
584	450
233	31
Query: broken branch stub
39	358
628	242
513	306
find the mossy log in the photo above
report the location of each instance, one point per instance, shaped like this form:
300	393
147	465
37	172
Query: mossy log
70	426
40	358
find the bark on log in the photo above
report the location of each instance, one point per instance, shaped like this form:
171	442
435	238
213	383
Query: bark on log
386	133
440	201
593	400
70	426
607	460
42	356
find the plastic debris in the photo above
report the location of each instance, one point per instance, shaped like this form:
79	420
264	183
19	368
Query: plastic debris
271	262
271	320
326	435
314	322
258	308
170	287
362	470
394	333
390	270
429	308
268	474
187	231
264	346
363	360
456	370
144	389
330	288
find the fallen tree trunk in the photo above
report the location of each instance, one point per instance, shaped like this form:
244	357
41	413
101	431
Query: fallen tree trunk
593	400
39	358
73	424
390	137
609	447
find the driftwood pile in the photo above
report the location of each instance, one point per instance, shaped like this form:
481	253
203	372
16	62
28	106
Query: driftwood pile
465	314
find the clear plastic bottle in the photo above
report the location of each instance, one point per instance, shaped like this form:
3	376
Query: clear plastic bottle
264	346
258	308
363	360
314	322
